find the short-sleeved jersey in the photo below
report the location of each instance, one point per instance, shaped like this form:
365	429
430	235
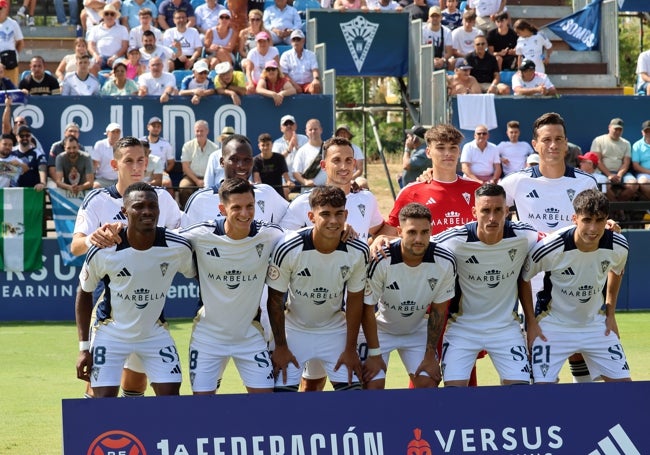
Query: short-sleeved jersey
104	205
401	306
137	282
487	274
316	282
577	278
363	213
450	203
203	205
231	276
74	86
546	204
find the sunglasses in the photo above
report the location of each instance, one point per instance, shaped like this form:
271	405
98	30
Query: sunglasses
25	136
271	69
288	123
20	122
255	19
109	14
296	39
225	18
481	133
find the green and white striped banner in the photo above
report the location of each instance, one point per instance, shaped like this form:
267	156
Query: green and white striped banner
21	229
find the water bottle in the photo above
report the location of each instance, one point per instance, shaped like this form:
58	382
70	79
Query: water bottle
80	31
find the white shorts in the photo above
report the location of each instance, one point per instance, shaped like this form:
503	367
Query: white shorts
158	355
324	346
507	349
208	360
603	355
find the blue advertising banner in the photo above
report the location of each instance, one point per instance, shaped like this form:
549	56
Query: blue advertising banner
633	5
523	420
363	43
581	29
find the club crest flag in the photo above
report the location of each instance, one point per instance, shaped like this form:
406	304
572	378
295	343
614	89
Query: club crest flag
65	206
581	29
21	229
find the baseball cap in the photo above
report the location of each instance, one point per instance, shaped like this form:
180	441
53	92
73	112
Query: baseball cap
225	12
200	67
118	62
271	64
227	131
417	130
297	34
262	36
24	129
616	123
4	4
343	127
645	125
461	64
222	68
532	159
527	65
286	118
589	156
435	10
154	120
113	127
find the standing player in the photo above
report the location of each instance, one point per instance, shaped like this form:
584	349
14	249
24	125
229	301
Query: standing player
232	255
128	317
581	260
544	194
317	268
401	317
103	206
489	253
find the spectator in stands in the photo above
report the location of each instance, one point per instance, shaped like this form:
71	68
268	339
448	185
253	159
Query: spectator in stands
91	14
344	130
385	5
229	82
68	63
589	164
11	42
479	158
528	82
641	160
274	84
60	13
134	66
462	82
162	149
288	144
11	166
118	84
108	40
36	176
486	12
415	159
147	22
257	58
215	172
532	160
194	158
207	15
247	35
350	5
485	68
150	49
5	82
71	130
102	155
452	18
417	10
186	40
643	73
513	152
38	82
198	84
12	128
306	164
571	158
81	82
169	7
25	14
615	156
280	19
463	37
502	42
531	45
301	66
153	173
131	10
220	42
156	82
74	168
271	168
439	36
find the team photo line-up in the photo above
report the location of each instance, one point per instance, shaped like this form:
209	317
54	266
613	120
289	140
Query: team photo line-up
323	286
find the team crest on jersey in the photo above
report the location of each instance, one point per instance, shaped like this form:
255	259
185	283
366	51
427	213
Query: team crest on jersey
259	248
163	268
432	283
359	34
367	290
512	253
260	204
604	265
571	193
344	271
467	197
362	209
273	273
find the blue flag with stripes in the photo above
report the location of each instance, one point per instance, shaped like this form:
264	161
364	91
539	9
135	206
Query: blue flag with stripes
64	211
581	29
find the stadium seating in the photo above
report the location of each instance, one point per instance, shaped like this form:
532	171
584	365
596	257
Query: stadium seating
180	75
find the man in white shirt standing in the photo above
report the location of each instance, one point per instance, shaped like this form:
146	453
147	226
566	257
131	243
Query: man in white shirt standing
290	141
309	156
102	155
513	152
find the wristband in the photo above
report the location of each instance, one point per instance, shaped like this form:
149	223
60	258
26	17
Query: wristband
372	352
84	345
88	242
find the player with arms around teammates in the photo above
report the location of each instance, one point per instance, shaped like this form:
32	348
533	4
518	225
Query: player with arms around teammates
137	272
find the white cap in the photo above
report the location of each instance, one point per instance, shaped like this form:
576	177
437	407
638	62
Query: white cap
200	66
113	127
287	117
222	68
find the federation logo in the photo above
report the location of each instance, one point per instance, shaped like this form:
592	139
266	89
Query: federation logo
116	441
273	273
417	445
359	34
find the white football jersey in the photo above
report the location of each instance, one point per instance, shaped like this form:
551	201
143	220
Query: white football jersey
401	305
316	282
104	205
203	205
487	274
231	276
577	278
363	213
546	204
137	282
